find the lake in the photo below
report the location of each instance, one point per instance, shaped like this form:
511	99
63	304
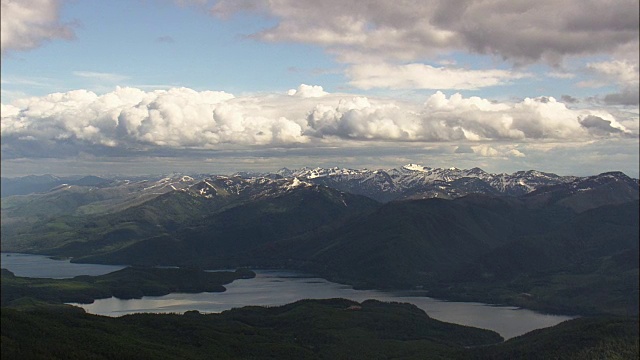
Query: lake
272	288
40	266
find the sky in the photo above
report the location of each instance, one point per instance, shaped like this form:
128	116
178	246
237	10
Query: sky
133	87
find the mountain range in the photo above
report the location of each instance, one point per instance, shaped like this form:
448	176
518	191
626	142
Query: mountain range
419	182
409	181
561	244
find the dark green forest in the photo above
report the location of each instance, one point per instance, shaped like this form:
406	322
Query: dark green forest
308	329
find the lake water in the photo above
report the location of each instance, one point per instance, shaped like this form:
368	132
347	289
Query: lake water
272	288
40	266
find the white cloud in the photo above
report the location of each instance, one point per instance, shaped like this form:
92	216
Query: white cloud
421	76
458	118
130	119
307	91
358	118
8	111
485	150
26	24
516	153
497	151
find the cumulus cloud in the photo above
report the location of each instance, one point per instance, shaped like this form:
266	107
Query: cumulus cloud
130	119
421	76
522	31
26	24
358	118
307	91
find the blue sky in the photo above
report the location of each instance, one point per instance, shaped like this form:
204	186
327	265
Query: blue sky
156	86
157	44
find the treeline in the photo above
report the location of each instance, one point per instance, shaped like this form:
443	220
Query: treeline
308	329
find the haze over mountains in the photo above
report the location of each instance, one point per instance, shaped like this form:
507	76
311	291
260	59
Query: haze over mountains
557	243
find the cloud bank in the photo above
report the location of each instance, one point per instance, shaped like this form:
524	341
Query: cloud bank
132	120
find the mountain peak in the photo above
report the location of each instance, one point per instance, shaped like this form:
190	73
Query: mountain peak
296	183
613	174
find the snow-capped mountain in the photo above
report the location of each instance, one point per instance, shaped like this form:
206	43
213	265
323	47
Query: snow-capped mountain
411	181
414	181
254	187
